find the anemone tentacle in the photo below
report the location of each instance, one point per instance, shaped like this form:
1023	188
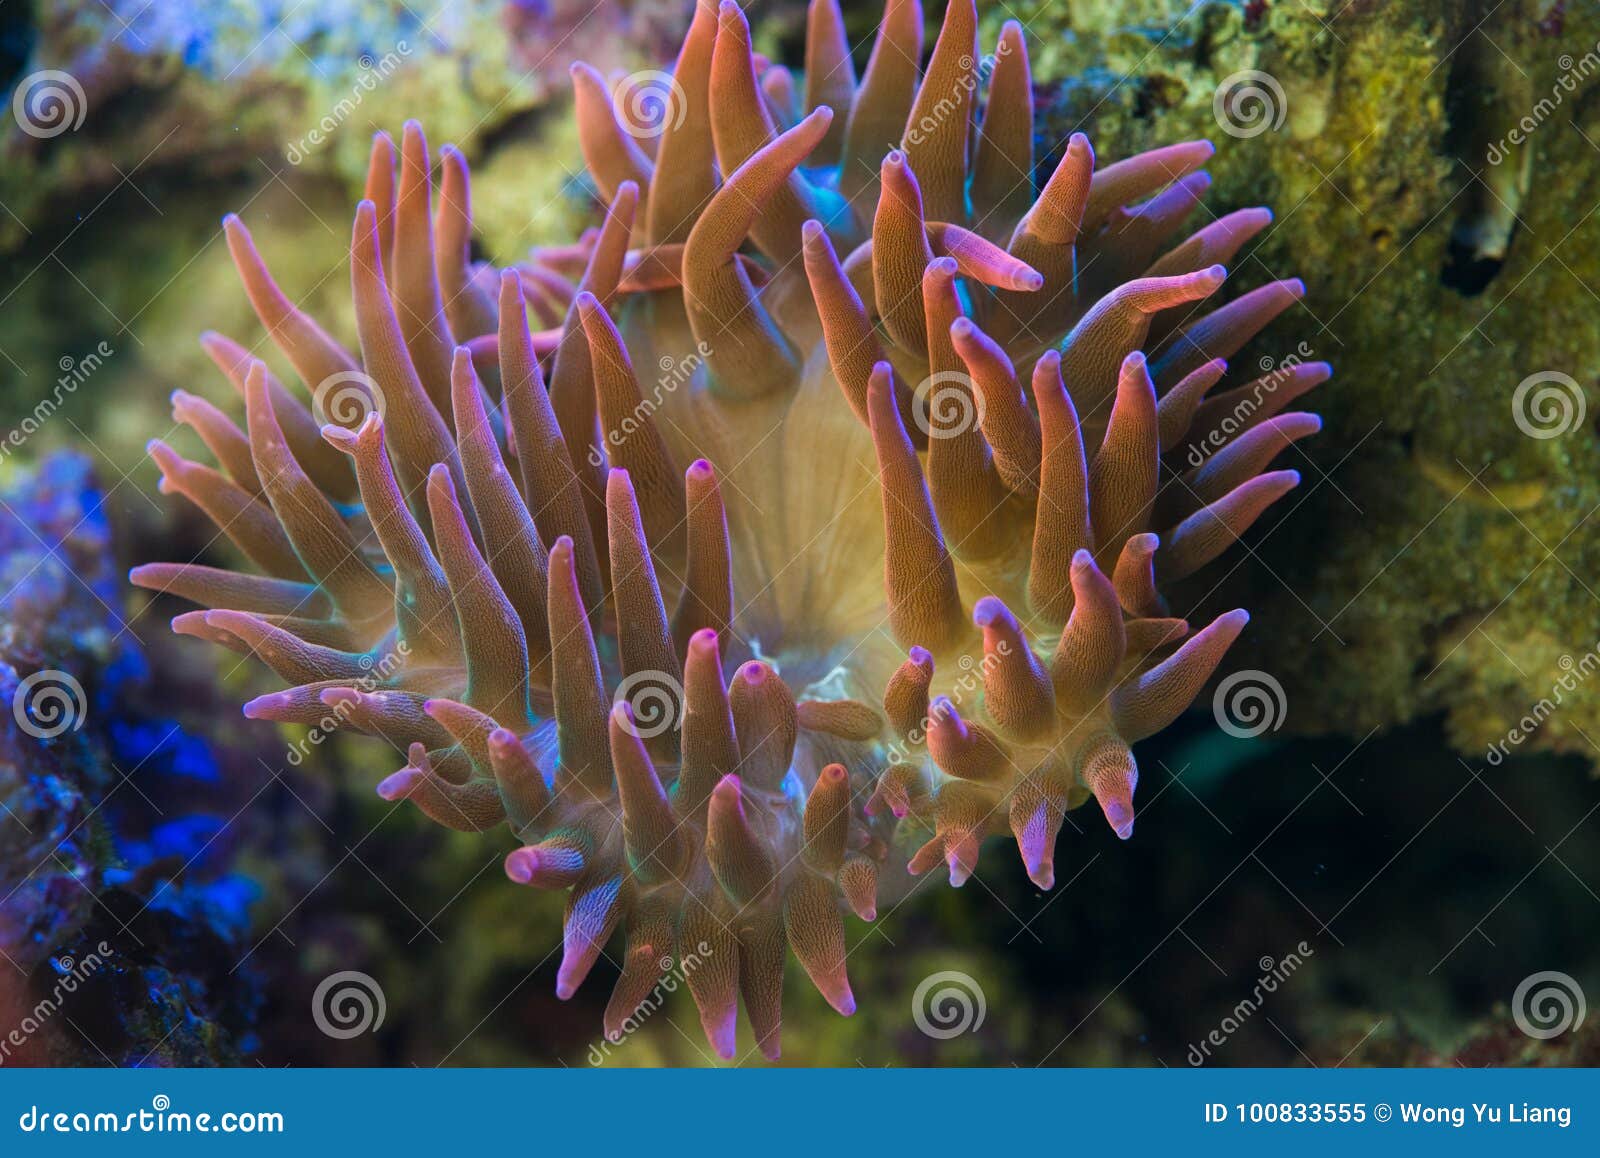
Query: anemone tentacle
733	651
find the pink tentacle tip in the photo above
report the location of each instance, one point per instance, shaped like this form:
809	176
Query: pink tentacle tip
264	707
566	983
1119	814
990	611
340	437
959	866
700	470
1043	874
399	785
188	623
898	808
521	864
944	717
723	1034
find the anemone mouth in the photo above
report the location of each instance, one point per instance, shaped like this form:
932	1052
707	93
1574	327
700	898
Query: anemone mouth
868	573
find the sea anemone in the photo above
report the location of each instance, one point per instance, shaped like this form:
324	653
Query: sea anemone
536	592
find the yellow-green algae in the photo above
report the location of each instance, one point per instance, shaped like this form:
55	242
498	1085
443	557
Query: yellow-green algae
1437	559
